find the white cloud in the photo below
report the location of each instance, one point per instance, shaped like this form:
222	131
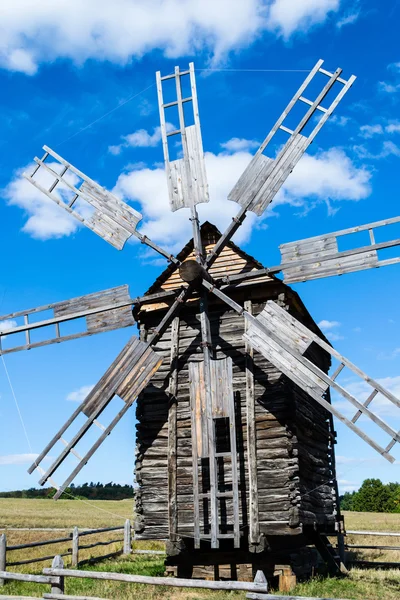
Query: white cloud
368	131
394	67
326	325
393	127
239	144
334	177
389	148
45	219
286	17
18	459
348	19
149	188
388	88
140	139
341	121
39	32
80	394
7	324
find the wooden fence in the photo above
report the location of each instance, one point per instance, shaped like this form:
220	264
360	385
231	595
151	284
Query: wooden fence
56	575
75	538
366	563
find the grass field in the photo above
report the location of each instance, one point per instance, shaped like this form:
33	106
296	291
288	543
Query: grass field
369	584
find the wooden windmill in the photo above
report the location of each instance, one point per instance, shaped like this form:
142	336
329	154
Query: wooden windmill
235	434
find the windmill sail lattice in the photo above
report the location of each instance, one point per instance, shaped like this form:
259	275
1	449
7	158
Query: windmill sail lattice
186	176
102	211
101	311
263	178
283	340
126	377
319	256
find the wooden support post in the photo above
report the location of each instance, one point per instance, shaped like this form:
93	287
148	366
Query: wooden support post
127	537
75	547
172	433
58	587
3	552
287	580
254	530
259	580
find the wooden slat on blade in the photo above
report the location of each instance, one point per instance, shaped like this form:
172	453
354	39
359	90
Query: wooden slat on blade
186	176
115	374
102	311
112	219
319	256
104	320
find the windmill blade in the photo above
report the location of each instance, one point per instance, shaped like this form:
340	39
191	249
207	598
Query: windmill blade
264	176
126	377
102	311
92	205
86	200
186	177
283	340
319	256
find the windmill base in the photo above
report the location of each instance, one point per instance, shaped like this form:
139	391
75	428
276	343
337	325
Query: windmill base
281	566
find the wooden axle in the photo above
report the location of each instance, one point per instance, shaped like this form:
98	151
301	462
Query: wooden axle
193	272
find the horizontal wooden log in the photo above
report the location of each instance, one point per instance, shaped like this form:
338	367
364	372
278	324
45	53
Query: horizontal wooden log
28	578
164	581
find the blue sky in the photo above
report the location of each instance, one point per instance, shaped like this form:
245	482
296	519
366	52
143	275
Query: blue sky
65	66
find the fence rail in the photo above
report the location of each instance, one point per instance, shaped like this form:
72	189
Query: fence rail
73	551
56	575
368	563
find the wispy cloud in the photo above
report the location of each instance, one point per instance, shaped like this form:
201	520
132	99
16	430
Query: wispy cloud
140	139
80	394
18	459
330	329
239	144
349	18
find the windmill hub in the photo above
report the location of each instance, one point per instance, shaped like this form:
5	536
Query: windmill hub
193	272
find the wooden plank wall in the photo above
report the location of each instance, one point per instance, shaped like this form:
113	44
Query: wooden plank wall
292	452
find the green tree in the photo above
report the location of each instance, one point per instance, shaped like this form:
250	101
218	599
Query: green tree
373	496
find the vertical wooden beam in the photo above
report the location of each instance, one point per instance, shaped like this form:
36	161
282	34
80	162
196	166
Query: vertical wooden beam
254	530
58	563
3	552
127	537
172	433
75	547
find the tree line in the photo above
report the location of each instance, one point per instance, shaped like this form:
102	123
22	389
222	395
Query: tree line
92	491
373	496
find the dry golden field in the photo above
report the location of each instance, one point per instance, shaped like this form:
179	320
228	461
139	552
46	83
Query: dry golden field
369	584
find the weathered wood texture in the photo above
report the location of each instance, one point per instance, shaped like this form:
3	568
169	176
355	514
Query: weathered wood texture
94	206
186	176
320	256
101	311
293	448
264	176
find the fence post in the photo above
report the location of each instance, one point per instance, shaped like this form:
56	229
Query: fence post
261	581
75	547
58	563
3	550
127	537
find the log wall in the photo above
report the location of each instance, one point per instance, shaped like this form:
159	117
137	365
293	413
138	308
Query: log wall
293	437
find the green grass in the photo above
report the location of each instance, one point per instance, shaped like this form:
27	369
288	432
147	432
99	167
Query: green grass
369	584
